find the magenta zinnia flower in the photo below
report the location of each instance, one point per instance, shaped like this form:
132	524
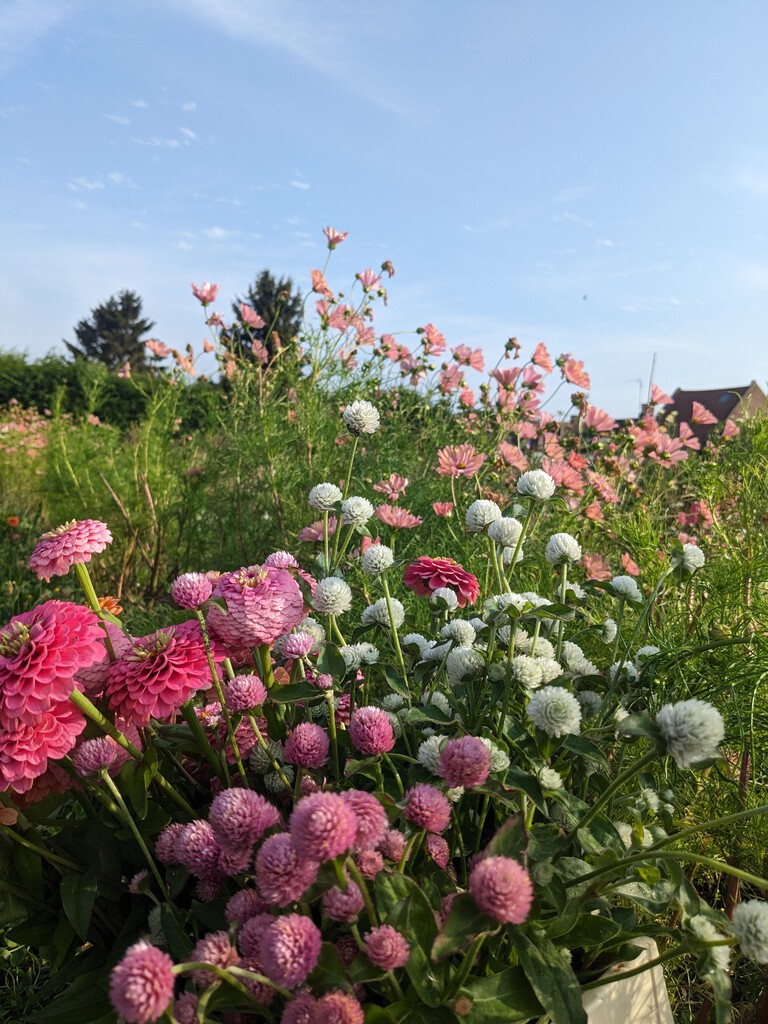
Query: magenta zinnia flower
427	807
73	543
262	604
386	948
141	986
371	731
464	762
239	817
40	652
428	574
290	949
502	889
26	749
307	746
323	826
281	874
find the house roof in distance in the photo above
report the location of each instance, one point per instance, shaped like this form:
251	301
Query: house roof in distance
724	403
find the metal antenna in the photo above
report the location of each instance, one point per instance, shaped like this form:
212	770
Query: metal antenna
650	379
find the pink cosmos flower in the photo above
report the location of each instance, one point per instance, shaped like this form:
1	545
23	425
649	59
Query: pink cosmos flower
290	949
502	889
449	379
40	652
262	604
125	370
393	487
542	358
206	292
314	534
323	825
659	397
158	348
369	279
307	746
25	750
701	415
396	517
603	487
281	874
158	673
443	508
239	817
428	574
687	436
343	906
597	420
731	429
386	948
597	567
320	285
372	821
371	731
594	512
512	455
191	589
335	237
506	377
465	762
574	372
71	544
338	1007
460	460
434	341
141	986
629	567
427	808
250	317
467	398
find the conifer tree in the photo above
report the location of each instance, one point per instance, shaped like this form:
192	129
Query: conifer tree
114	333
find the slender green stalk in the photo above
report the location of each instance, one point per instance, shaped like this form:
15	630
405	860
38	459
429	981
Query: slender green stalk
663	958
84	579
276	766
231	738
465	966
395	637
359	881
219	766
128	820
332	733
617	783
54	858
228	976
681	855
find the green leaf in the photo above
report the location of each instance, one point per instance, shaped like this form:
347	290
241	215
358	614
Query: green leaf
463	923
292	692
510	840
544	841
329	971
655	898
133	784
78	893
601	834
589	931
585	748
378	1015
639	725
502	998
551	978
35	931
396	682
29	868
179	943
414	918
390	890
428	713
83	1002
516	778
331	662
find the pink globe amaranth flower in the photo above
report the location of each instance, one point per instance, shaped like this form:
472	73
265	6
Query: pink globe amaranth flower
207	889
239	817
290	949
338	1007
250	934
323	826
198	850
141	986
427	807
464	762
244	692
284	560
370	863
372	820
165	844
71	544
40	652
438	850
392	843
263	603
502	889
459	460
191	589
243	905
386	948
298	645
300	1010
307	746
234	861
158	673
26	749
371	731
343	906
281	874
214	948
428	574
185	1008
91	756
323	681
206	292
245	738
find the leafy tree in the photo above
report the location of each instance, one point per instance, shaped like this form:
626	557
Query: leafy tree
278	304
113	334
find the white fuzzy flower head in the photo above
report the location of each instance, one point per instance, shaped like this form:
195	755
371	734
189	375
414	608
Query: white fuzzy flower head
351	656
508	555
502	602
535	600
377	559
536	484
324	496
505	531
705	930
369	655
555	711
461	631
589	702
625	586
572	654
499	757
428	753
417	640
392	702
692	730
690	559
361	418
356	511
332	596
437	700
549	778
481	513
626	670
436	652
463	663
562	547
550	669
608	631
445	594
455	794
578	592
527	670
378	613
314	627
644	653
750	925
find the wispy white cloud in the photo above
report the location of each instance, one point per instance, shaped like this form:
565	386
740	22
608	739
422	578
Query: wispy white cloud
189	106
606	242
23	22
297	183
141	104
168	141
86	184
216	234
572	218
116	178
118	119
750	179
188	134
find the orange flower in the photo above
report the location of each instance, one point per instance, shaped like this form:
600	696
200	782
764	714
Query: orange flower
109	604
12	521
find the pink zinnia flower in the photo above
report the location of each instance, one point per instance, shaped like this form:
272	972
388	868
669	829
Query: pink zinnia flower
239	817
26	749
338	1007
206	292
502	889
427	807
386	948
443	508
343	906
158	673
323	826
71	544
141	986
597	567
281	874
371	731
574	372
214	948
244	692
307	746
334	237
290	949
459	460
40	652
396	517
428	574
465	762
262	604
372	821
438	850
191	589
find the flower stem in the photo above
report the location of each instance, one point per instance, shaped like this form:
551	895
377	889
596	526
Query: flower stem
395	637
128	820
359	881
332	732
617	783
220	694
54	858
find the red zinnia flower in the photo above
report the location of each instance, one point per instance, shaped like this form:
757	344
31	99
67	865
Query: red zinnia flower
428	574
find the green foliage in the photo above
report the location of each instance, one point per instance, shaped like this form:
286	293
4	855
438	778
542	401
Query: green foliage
114	333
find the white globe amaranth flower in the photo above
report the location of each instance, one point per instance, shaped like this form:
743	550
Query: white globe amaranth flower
562	547
499	757
437	700
549	778
608	631
377	559
702	928
535	483
461	631
508	555
692	730
550	669
578	592
428	753
690	559
585	667
369	654
650	798
324	496
501	602
463	663
625	586
589	702
361	418
527	670
392	702
261	760
437	652
356	511
571	653
750	926
625	831
446	595
644	653
455	794
497	672
332	596
535	600
626	670
351	656
505	531
379	613
555	711
480	514
315	628
417	640
273	781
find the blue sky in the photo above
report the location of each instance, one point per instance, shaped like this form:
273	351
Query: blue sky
593	175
